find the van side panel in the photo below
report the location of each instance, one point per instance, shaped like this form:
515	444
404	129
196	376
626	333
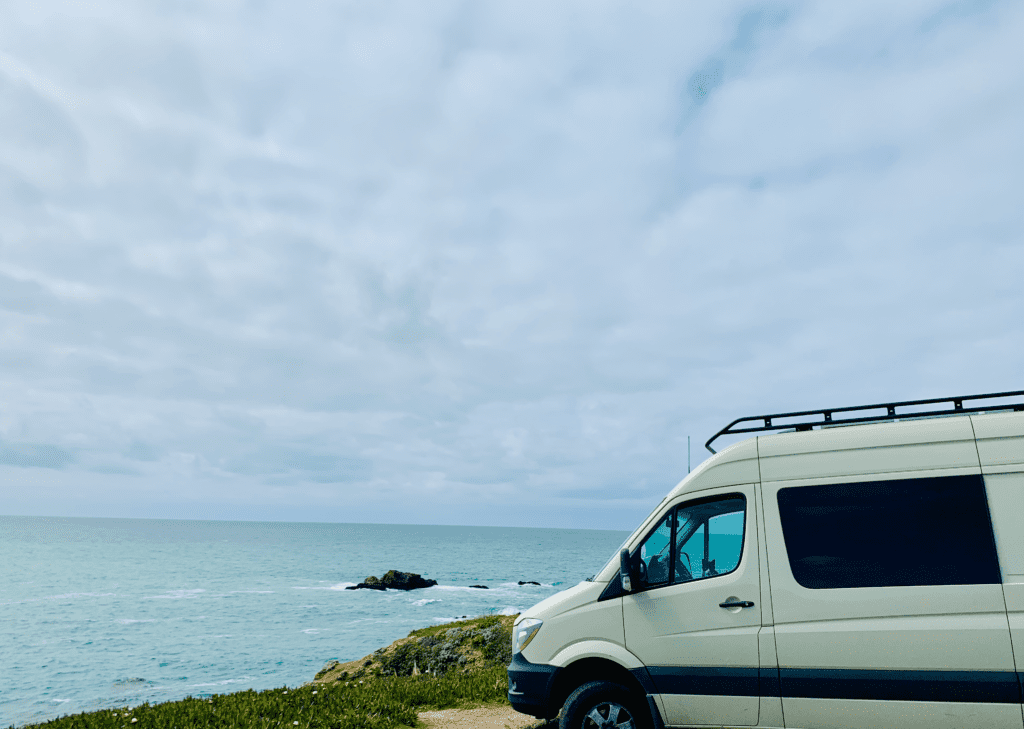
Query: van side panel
884	715
1006	500
1000	441
702	658
771	699
1000	438
895	656
839	648
770	713
767	617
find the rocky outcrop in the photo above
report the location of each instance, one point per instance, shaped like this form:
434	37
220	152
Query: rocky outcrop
529	582
394	580
480	587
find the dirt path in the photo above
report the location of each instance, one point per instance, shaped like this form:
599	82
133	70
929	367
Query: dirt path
485	717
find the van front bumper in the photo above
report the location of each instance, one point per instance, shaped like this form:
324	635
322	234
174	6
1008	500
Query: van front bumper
529	687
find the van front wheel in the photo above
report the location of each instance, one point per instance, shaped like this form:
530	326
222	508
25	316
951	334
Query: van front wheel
602	705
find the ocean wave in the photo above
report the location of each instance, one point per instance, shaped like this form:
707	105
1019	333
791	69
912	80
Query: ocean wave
129	621
65	596
460	588
424	601
509	611
221	683
176	595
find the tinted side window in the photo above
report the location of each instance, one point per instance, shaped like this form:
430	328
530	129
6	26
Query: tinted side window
924	531
709	538
655	556
700	539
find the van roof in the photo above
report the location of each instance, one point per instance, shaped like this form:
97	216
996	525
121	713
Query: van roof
860	414
981	441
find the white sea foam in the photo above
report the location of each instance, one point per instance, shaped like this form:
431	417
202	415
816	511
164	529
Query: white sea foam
509	611
60	701
342	585
313	631
129	621
69	596
221	683
460	588
176	595
424	601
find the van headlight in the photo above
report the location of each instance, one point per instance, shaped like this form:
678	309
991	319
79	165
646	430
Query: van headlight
524	633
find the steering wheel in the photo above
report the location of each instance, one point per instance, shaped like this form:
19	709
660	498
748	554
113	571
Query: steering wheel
683	569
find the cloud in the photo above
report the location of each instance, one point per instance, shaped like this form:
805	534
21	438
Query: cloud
485	263
35	455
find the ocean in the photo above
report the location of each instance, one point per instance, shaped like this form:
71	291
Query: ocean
98	613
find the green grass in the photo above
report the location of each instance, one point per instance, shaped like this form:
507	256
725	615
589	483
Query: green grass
371	701
481	623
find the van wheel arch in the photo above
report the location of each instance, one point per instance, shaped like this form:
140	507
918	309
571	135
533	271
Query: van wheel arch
588	670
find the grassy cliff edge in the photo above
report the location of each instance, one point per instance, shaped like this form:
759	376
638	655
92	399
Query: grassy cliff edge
455	665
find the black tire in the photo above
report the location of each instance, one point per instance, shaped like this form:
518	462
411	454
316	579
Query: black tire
603	705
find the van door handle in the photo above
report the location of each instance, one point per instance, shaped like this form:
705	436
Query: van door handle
738	603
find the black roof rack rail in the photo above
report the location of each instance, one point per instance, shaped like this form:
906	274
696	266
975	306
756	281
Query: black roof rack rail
890	414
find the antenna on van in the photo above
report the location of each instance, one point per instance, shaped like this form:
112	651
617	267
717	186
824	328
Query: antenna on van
890	414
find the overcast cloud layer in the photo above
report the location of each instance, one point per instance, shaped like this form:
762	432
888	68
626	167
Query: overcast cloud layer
484	263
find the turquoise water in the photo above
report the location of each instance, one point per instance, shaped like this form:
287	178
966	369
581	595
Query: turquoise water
96	613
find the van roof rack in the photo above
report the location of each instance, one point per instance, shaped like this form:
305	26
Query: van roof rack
890	407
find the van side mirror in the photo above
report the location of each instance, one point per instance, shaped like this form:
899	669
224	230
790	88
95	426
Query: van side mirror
625	572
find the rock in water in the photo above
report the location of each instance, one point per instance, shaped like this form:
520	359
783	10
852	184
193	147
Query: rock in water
480	587
394	580
529	582
367	586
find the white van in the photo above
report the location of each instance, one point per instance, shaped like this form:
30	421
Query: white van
860	572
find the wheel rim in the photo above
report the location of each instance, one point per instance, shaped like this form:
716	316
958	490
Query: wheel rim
609	715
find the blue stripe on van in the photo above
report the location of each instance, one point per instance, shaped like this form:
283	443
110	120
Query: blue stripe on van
990	687
706	680
768	678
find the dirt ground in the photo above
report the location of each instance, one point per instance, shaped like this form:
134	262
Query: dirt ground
485	717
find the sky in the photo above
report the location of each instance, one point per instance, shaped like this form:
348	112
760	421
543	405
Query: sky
486	263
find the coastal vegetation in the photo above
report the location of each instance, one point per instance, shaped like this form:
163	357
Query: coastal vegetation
455	665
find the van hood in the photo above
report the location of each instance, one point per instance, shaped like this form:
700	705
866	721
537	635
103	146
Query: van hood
566	600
